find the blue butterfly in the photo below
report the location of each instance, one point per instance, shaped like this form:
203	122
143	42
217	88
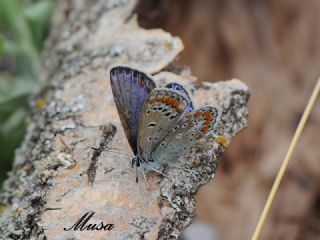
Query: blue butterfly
159	123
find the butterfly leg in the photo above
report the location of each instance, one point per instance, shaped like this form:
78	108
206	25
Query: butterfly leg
133	161
161	173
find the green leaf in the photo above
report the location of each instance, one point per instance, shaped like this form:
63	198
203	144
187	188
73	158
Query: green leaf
38	17
10	104
12	15
14	93
11	47
15	23
4	9
24	24
12	131
5	83
1	45
13	122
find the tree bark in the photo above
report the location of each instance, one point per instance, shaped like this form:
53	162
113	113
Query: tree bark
74	130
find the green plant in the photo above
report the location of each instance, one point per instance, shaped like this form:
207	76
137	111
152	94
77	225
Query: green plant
23	28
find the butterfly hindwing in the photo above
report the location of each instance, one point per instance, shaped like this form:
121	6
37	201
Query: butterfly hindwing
163	109
180	88
130	89
193	127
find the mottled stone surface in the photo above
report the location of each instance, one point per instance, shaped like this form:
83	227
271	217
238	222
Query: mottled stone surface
76	128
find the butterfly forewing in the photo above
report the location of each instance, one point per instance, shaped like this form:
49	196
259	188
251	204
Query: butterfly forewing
162	110
130	89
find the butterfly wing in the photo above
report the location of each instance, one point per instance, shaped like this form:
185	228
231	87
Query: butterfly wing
130	89
162	110
193	126
180	88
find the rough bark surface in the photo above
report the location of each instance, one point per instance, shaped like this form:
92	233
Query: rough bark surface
75	127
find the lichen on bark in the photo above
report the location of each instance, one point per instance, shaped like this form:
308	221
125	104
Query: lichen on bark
65	167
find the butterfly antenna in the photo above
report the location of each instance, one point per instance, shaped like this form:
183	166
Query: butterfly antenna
120	151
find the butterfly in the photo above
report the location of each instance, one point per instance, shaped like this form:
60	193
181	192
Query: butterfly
159	123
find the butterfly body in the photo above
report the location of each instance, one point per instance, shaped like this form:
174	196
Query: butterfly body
160	123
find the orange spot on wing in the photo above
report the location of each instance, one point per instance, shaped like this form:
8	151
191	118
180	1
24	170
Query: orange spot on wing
172	102
175	103
205	129
197	114
142	81
207	115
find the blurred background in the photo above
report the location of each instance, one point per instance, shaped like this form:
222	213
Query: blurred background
274	47
271	45
23	27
